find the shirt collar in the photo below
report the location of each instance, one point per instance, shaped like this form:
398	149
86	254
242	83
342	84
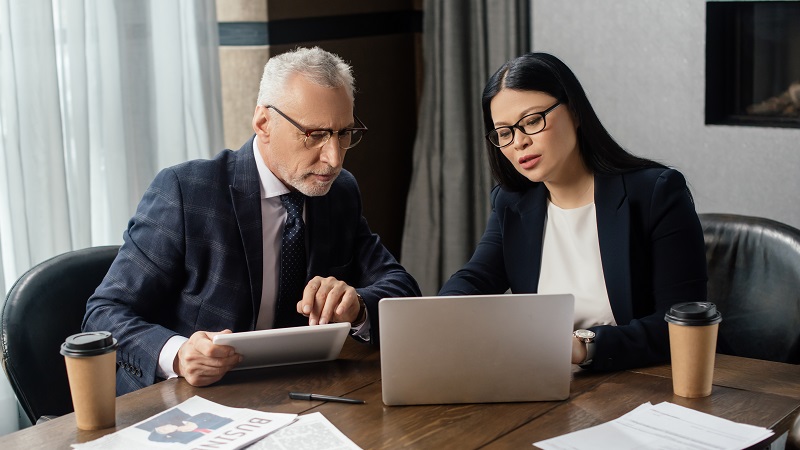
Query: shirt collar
271	186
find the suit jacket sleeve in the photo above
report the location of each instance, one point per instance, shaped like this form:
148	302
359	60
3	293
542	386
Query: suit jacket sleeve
485	272
368	266
142	280
670	268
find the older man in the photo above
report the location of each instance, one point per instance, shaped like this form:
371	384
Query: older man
271	235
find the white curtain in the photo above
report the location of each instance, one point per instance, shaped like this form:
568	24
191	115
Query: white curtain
95	98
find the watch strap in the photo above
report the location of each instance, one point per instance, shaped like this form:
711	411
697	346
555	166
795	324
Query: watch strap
589	352
362	311
587	337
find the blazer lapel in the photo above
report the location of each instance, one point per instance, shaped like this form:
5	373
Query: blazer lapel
613	232
246	197
523	231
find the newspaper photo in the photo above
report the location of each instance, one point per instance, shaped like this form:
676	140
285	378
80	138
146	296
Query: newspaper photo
196	423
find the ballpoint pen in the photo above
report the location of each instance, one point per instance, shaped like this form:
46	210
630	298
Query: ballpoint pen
322	398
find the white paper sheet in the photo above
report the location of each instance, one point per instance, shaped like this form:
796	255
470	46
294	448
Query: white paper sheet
309	432
665	426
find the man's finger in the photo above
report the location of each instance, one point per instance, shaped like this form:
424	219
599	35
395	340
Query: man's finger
328	298
319	300
202	370
202	362
206	346
346	307
328	308
306	305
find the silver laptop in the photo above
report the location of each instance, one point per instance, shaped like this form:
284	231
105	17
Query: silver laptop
476	349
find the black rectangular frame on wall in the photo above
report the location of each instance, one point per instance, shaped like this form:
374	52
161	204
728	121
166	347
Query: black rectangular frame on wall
734	66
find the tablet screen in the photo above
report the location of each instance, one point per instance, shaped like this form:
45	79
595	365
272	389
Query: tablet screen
283	346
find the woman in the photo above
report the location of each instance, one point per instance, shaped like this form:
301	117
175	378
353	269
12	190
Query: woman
576	213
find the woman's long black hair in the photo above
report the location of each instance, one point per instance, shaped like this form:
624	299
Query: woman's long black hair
545	73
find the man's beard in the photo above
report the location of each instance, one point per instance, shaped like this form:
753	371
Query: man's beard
308	186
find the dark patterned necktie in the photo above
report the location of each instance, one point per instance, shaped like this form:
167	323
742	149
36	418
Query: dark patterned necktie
292	277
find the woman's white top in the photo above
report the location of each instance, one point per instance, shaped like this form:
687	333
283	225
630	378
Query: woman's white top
571	263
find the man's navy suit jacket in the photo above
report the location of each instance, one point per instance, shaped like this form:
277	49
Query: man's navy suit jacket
192	259
651	248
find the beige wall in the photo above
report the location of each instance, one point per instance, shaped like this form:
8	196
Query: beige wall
240	72
387	72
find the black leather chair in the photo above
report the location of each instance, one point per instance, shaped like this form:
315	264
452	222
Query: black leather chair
793	440
43	307
754	279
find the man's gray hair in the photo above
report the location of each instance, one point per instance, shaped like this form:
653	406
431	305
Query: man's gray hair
315	64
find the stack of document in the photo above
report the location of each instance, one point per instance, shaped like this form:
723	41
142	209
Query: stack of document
663	426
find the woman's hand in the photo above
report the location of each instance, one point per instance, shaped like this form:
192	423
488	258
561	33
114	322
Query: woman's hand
578	350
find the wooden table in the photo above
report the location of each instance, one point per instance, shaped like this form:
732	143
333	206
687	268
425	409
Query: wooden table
757	392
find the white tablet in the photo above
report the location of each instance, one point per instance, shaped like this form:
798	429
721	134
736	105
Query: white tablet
283	346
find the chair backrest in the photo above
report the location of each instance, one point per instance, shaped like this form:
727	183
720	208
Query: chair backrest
754	279
44	306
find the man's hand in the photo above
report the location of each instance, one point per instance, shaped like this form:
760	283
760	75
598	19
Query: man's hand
329	300
202	362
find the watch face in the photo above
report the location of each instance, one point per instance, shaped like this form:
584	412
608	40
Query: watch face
584	334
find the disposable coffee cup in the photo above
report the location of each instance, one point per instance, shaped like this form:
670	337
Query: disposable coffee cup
693	330
91	369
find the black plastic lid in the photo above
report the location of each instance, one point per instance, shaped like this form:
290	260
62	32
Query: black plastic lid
88	344
693	314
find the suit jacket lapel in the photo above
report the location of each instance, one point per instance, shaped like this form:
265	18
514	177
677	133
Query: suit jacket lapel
246	197
613	232
523	238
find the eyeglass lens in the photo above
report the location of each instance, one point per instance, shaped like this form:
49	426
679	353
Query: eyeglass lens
347	138
530	124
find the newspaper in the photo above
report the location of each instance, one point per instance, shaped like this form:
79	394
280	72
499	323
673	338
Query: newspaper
196	423
309	432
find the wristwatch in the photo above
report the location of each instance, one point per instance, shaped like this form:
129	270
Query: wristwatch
587	336
362	311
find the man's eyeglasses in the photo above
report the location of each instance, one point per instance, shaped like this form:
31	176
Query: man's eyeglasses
529	124
317	137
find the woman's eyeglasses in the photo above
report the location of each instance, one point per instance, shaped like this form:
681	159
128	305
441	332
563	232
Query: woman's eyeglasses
529	124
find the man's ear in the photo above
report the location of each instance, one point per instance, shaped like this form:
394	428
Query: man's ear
261	122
